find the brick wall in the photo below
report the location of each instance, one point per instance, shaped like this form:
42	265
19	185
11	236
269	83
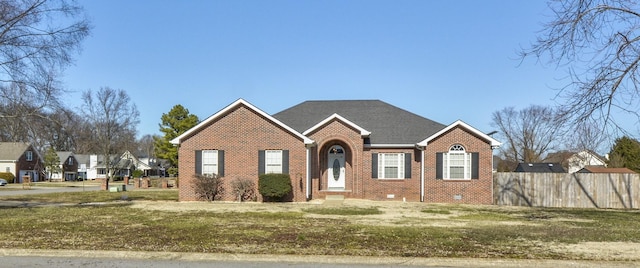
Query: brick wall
473	191
359	182
241	133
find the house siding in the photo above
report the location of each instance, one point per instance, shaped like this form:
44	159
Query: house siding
241	133
474	191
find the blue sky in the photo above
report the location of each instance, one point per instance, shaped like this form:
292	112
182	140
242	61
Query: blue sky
444	60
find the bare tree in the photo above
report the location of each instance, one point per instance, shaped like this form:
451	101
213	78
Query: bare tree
113	118
37	41
529	134
146	146
585	135
599	44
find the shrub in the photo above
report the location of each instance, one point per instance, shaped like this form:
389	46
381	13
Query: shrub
243	189
208	187
137	173
8	176
274	187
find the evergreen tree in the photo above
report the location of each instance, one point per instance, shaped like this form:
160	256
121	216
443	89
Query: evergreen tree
174	123
51	162
625	153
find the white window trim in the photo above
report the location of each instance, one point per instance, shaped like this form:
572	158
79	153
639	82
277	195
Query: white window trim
400	166
210	162
272	161
29	156
446	160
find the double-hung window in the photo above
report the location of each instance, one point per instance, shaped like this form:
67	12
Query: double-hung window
457	163
209	162
70	161
391	165
29	155
273	161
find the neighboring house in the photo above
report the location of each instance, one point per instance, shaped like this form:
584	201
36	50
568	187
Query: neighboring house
540	168
601	169
83	166
574	161
156	166
93	166
585	158
21	160
68	167
364	149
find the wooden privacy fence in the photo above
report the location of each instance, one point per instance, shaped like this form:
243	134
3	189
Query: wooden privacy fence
576	190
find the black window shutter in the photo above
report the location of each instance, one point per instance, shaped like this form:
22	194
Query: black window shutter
260	162
221	163
407	166
285	161
374	165
198	162
438	166
475	163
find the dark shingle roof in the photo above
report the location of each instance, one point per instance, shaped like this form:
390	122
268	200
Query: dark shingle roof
540	168
388	124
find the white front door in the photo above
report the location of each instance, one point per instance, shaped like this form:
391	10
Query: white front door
335	168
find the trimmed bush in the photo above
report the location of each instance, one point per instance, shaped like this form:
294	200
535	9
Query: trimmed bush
7	176
274	187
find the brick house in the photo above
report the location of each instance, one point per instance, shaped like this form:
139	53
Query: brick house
21	160
68	167
365	149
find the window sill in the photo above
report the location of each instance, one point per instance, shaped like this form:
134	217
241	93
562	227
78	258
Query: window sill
384	179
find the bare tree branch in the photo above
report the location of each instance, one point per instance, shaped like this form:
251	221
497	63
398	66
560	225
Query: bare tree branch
598	42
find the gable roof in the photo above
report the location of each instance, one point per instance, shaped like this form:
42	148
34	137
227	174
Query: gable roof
601	169
239	102
12	150
386	123
540	168
363	131
459	123
64	155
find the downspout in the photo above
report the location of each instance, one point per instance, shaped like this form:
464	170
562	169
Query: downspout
421	173
308	173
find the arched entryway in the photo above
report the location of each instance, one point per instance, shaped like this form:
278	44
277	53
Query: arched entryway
336	170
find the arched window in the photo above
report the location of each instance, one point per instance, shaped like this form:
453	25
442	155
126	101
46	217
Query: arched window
457	163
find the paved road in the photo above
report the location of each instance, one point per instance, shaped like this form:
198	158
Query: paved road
64	262
126	259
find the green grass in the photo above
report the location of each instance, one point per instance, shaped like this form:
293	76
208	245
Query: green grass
436	211
475	232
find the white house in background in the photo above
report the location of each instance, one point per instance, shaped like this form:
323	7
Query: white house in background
93	166
584	158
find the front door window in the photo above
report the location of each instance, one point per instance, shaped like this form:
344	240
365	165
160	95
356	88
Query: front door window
335	168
